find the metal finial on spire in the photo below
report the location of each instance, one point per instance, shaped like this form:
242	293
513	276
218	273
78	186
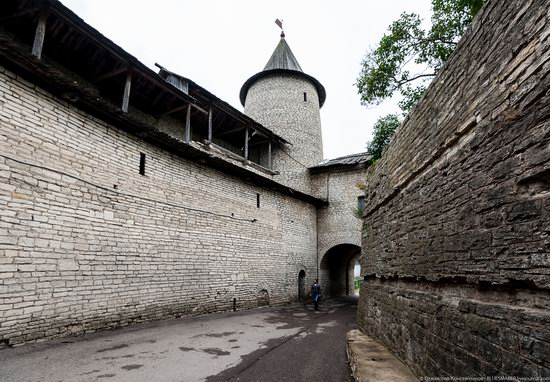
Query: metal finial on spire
280	24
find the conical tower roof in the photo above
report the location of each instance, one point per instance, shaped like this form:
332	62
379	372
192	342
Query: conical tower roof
283	61
283	58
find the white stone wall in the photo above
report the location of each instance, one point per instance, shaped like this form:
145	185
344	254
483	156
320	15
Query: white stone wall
86	242
277	102
336	222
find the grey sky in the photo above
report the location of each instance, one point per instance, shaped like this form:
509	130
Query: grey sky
219	44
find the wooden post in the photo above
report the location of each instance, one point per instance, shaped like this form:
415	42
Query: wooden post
187	136
39	35
210	124
269	160
246	143
126	97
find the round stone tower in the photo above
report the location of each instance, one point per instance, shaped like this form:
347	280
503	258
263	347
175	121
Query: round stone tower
287	101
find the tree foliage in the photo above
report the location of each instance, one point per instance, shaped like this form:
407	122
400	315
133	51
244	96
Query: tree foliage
387	68
382	133
408	57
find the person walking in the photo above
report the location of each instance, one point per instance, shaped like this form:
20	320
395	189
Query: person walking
316	293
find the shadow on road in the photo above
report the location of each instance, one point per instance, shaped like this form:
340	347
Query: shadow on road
317	351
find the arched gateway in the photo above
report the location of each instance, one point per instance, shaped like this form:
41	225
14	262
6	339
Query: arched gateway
336	269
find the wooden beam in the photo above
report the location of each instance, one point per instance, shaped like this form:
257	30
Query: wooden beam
230	112
230	131
246	143
199	109
116	52
244	119
174	110
187	136
258	143
126	97
181	108
210	124
157	80
39	35
110	74
95	55
80	42
21	13
158	97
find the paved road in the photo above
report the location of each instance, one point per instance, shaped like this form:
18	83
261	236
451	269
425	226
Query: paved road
291	343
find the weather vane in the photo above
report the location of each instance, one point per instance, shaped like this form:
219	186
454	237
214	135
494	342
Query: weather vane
280	24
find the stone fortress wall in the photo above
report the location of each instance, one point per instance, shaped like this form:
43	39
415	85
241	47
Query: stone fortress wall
113	214
87	243
456	238
338	227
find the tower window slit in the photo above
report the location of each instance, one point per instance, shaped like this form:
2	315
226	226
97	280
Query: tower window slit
142	164
258	200
305	97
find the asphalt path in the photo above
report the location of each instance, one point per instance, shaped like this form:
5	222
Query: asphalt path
289	343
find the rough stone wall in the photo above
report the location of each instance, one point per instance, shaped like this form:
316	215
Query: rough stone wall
277	102
456	238
87	243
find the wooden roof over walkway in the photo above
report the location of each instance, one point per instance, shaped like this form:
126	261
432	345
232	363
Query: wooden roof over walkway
46	43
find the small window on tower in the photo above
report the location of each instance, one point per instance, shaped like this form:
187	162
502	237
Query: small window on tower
142	164
305	97
258	200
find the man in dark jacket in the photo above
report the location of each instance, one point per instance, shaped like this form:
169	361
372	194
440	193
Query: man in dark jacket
316	293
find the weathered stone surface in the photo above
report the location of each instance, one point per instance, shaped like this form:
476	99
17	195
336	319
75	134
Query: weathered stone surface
456	237
87	243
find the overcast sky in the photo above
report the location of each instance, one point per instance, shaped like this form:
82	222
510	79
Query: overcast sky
219	44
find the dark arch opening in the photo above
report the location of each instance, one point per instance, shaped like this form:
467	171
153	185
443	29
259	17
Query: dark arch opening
337	269
302	289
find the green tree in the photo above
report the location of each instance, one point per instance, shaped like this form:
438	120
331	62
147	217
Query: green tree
386	69
382	132
408	56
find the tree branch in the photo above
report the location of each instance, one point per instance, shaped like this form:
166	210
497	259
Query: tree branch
401	82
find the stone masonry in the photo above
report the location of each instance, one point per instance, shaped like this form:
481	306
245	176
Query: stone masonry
112	215
338	227
456	238
87	242
277	101
337	221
